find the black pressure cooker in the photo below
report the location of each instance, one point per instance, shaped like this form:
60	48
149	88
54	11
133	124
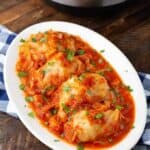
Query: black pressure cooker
89	3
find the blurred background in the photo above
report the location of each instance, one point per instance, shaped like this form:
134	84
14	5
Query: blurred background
124	22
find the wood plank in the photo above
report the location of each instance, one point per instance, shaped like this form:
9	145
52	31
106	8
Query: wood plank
135	43
110	23
14	136
17	11
6	4
30	18
124	23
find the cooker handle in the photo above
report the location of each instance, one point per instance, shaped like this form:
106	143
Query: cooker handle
2	59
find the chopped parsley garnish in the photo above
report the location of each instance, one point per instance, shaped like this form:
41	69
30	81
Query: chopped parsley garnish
109	69
56	140
43	72
31	114
81	77
70	54
101	73
99	116
87	112
119	107
115	92
89	92
66	88
44	97
29	99
129	88
72	95
80	147
114	101
53	111
43	39
34	39
48	67
46	32
22	74
102	51
46	70
48	88
74	111
80	52
21	86
22	40
65	108
93	63
51	63
133	126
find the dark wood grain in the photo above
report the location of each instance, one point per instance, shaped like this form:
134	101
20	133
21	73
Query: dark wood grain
128	27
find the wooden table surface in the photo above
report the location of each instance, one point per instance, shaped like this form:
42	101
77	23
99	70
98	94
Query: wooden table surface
128	27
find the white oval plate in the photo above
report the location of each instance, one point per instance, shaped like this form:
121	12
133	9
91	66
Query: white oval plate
112	54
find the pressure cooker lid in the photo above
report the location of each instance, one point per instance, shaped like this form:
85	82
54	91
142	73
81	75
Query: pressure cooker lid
89	3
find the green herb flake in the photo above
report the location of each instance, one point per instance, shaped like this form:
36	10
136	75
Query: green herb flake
56	140
102	51
87	112
22	40
80	52
114	101
115	92
46	70
43	72
65	108
44	97
80	147
129	88
81	77
66	88
89	92
70	55
51	63
133	127
31	114
21	86
29	99
99	116
119	107
74	111
22	74
48	88
53	111
72	95
101	73
93	63
34	39
43	39
109	69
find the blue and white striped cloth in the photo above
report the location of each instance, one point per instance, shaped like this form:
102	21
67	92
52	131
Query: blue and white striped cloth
6	37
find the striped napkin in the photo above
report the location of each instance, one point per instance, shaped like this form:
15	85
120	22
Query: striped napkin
6	37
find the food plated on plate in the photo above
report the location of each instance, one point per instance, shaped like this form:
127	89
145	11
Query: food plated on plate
82	92
73	90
